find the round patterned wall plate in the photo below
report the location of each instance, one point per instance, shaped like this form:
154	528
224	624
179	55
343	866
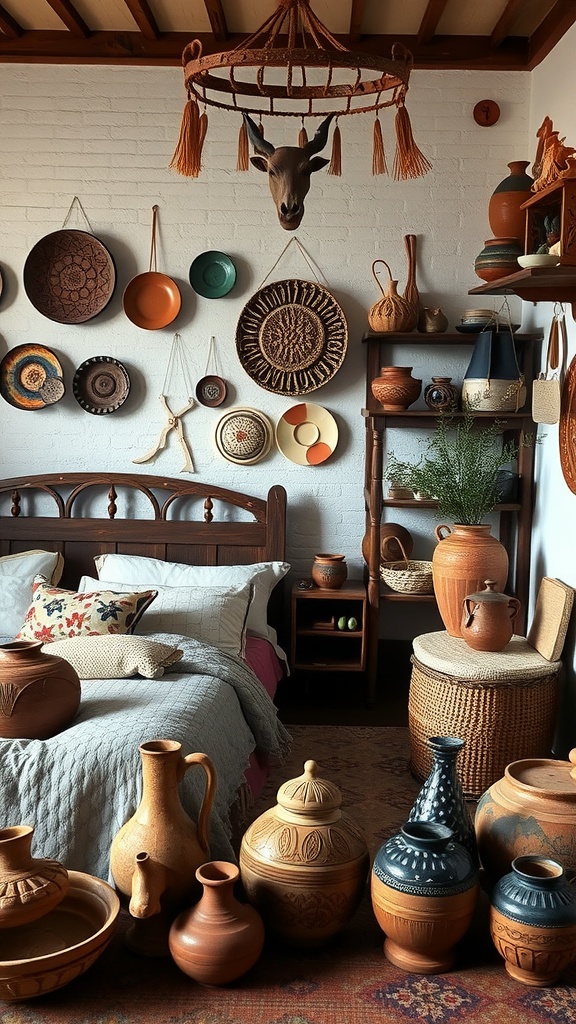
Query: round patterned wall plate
291	337
69	276
31	377
152	300
212	274
101	385
244	436
307	434
211	390
567	427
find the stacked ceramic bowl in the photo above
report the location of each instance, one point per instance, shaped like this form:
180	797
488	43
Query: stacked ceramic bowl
475	320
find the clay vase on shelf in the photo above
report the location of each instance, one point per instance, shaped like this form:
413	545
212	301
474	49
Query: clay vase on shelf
464	557
411	293
392	312
530	810
488	618
533	920
304	863
218	939
329	571
39	692
396	389
424	890
498	258
441	798
441	395
29	886
431	320
504	213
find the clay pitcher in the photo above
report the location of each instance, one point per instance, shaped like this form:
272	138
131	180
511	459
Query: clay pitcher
488	618
29	886
157	851
463	559
39	692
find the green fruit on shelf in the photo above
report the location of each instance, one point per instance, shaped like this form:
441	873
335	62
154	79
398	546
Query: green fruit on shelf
342	622
352	623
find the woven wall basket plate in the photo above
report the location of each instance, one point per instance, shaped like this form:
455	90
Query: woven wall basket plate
307	434
101	384
244	436
69	276
31	377
567	428
291	337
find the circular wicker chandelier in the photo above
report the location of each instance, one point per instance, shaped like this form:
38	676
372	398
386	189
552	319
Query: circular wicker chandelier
293	67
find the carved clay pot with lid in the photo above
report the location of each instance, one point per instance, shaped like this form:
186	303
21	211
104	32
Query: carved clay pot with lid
488	618
304	863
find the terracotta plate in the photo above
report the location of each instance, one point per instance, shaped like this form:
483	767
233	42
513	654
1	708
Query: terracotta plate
307	434
101	384
244	436
152	300
211	390
69	276
567	428
31	377
212	274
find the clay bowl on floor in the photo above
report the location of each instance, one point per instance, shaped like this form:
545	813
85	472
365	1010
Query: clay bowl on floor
44	955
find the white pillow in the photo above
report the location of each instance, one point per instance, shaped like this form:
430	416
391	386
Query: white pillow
17	574
115	656
216	615
153	572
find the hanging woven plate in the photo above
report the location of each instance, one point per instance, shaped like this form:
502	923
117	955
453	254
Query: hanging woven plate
31	377
69	276
244	436
101	384
291	337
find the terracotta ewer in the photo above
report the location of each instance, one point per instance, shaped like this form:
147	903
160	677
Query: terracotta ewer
304	863
504	208
329	571
530	810
463	559
218	939
154	856
396	389
424	890
39	692
488	618
29	886
533	920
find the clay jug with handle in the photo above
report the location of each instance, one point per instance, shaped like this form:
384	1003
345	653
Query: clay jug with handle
488	618
464	557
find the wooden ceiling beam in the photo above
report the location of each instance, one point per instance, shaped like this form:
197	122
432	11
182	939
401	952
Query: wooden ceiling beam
217	17
434	11
356	19
9	25
505	24
144	18
69	15
550	31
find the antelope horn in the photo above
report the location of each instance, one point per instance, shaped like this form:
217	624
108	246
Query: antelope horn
321	137
260	144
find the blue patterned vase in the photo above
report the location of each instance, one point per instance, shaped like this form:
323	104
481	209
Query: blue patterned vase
441	798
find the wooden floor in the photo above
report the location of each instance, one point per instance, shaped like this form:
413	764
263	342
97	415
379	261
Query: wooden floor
338	698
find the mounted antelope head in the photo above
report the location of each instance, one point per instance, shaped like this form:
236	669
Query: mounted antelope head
289	169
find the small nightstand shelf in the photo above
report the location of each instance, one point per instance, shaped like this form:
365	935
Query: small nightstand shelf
317	645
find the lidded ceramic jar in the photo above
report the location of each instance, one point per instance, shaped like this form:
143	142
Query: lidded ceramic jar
396	389
29	886
39	692
304	863
488	618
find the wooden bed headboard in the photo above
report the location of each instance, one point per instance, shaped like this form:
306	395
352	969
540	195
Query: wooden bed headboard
82	515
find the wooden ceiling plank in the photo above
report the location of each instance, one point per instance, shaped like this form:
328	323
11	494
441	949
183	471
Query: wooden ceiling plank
505	24
356	19
434	11
69	15
140	11
550	31
9	25
218	23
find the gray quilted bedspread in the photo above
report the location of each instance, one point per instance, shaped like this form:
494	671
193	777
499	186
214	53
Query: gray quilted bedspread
80	786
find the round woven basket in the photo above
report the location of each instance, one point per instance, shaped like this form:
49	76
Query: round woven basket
408	576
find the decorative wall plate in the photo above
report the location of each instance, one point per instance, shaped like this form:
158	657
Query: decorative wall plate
212	274
291	337
567	428
31	377
211	390
244	436
152	300
69	276
307	434
101	385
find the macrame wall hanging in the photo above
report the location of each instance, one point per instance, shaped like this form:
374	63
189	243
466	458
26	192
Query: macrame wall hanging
177	363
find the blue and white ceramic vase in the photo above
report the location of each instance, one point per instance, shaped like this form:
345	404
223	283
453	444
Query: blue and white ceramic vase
424	889
441	798
533	920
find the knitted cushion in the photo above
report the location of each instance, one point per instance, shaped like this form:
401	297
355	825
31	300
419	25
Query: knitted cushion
115	656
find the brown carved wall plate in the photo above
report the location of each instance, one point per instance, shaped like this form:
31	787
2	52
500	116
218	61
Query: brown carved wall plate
567	429
69	276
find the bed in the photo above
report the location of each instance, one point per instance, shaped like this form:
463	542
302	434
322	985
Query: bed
212	557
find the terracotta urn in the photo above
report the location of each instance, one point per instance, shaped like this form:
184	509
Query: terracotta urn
533	920
424	890
39	692
531	810
218	939
504	208
304	863
488	618
329	571
29	886
498	258
464	557
441	395
396	389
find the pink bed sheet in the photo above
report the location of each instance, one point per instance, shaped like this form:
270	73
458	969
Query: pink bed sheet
266	665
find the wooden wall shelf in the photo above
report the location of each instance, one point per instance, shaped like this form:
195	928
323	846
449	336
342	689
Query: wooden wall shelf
538	284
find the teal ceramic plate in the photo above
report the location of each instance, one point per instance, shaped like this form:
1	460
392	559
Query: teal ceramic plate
212	274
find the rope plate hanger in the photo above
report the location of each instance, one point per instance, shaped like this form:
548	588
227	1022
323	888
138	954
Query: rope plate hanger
177	359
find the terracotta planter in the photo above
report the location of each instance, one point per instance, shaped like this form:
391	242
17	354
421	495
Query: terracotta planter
304	863
39	693
488	618
504	213
396	389
329	571
219	939
464	557
29	886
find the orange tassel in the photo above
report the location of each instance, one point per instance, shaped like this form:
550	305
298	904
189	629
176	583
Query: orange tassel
335	165
242	164
186	157
409	161
302	136
378	154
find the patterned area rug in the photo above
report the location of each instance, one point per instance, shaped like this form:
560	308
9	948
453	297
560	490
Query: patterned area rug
347	982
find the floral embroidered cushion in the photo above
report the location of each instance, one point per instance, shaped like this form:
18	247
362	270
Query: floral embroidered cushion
56	614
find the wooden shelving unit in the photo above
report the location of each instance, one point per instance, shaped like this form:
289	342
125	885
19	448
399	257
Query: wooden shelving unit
317	645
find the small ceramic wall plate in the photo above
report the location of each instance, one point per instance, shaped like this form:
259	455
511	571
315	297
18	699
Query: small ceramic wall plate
244	436
307	434
211	390
101	385
31	377
69	276
152	300
212	274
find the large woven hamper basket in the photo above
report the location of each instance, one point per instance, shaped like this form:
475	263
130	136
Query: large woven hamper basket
500	720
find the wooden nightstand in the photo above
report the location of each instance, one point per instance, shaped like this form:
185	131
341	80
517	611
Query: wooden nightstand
317	644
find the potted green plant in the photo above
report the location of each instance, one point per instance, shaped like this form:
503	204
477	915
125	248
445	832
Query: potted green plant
399	475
